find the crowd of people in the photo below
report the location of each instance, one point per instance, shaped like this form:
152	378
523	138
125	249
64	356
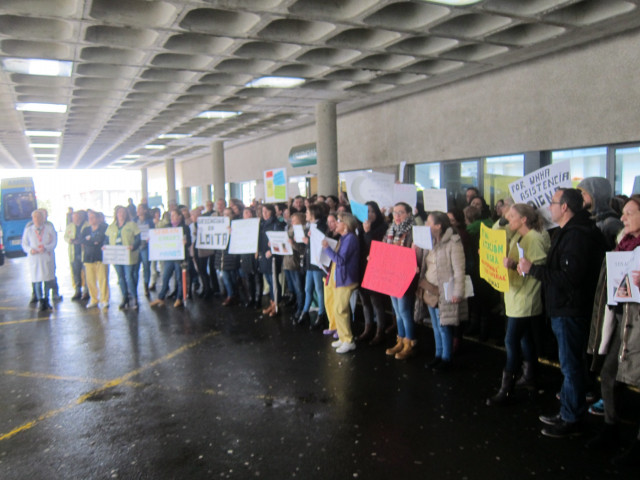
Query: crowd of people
556	274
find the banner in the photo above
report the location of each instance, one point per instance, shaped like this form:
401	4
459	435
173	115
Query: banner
213	233
435	200
279	243
116	255
275	185
365	186
166	244
620	286
538	187
493	249
244	236
390	269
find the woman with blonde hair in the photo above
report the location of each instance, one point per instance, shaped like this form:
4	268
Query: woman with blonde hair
126	233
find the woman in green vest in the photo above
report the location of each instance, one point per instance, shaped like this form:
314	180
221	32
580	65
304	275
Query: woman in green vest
125	233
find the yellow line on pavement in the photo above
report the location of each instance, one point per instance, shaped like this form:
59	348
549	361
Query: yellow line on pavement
107	385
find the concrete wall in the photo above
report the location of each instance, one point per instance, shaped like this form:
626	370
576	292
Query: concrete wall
580	97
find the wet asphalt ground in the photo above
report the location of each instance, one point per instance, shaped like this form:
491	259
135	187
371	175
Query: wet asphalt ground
206	391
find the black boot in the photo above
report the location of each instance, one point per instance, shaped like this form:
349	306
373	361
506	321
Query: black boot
506	389
379	337
368	330
607	439
44	305
77	296
528	378
319	323
304	318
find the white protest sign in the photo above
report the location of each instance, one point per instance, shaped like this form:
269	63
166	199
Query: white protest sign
116	255
422	237
620	286
404	192
244	236
166	244
144	232
435	200
298	233
537	188
365	186
213	233
279	243
318	257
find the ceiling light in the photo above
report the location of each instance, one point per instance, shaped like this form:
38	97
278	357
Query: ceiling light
454	3
275	82
174	135
41	107
122	160
45	155
131	156
45	162
36	66
217	114
44	145
155	147
42	133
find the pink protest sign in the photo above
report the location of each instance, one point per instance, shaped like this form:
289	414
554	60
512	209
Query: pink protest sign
390	269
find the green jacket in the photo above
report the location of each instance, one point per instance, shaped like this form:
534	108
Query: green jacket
70	236
125	236
524	298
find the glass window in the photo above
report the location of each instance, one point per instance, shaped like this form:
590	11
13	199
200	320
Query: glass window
499	172
427	176
18	206
248	191
456	177
585	162
627	170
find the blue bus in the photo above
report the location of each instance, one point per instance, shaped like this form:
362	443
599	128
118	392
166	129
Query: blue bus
17	201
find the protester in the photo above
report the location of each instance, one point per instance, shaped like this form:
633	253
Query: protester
39	241
124	232
269	265
73	238
93	238
145	223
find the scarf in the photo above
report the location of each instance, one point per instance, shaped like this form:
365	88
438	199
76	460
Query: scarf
396	233
628	243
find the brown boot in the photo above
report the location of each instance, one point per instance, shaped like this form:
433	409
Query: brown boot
398	347
407	350
267	311
368	330
274	309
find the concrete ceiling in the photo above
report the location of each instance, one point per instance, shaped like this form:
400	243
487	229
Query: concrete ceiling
142	69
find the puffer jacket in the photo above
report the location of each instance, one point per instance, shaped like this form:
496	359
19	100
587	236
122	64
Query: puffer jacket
606	219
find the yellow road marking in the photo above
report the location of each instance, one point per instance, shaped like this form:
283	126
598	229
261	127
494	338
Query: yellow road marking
106	386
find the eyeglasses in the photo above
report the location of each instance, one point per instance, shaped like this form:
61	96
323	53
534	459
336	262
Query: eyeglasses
399	214
555	203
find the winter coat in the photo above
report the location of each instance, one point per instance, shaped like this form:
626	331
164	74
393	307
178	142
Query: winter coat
294	262
570	274
346	260
606	219
270	225
71	234
321	225
450	266
128	234
92	242
42	266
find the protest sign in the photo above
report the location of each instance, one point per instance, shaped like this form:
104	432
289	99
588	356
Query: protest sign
213	233
365	186
538	187
166	244
360	211
116	255
298	233
620	286
144	232
275	185
244	236
405	192
493	249
318	257
390	269
435	200
279	243
422	237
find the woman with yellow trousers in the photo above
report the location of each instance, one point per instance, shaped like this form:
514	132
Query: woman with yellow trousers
342	280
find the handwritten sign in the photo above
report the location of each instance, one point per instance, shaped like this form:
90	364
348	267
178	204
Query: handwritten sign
279	243
298	233
390	269
493	249
537	188
213	233
422	237
244	236
405	192
317	255
365	186
435	200
275	185
620	286
166	244
116	255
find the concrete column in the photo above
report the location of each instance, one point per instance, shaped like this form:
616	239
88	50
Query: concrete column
207	192
144	184
170	167
217	154
327	145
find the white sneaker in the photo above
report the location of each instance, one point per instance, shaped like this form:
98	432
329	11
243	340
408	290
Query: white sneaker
104	305
346	347
336	344
92	305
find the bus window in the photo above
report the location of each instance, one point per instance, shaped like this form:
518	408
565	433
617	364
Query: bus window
18	206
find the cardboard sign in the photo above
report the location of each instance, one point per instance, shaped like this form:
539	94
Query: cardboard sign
279	243
620	286
493	249
116	255
244	236
435	200
422	237
537	188
360	211
390	269
166	244
275	185
405	192
213	233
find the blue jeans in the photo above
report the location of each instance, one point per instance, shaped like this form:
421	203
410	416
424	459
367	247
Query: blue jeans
230	279
442	334
171	268
313	281
571	334
294	281
403	308
518	342
146	267
127	281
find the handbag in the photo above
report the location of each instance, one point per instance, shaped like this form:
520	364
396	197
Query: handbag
430	292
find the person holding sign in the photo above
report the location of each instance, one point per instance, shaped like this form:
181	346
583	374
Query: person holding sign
97	273
227	266
269	264
145	223
400	233
126	233
443	264
523	301
615	332
343	279
569	278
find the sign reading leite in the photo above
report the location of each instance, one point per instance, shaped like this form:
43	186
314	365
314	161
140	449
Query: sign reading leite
493	249
390	269
166	244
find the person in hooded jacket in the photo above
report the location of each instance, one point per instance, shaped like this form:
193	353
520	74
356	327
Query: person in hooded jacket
270	265
597	195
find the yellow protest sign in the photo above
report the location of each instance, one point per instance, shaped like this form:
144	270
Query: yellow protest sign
493	249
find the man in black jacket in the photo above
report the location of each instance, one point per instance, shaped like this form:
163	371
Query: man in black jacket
569	279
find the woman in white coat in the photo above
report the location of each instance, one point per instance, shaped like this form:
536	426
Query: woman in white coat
39	241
